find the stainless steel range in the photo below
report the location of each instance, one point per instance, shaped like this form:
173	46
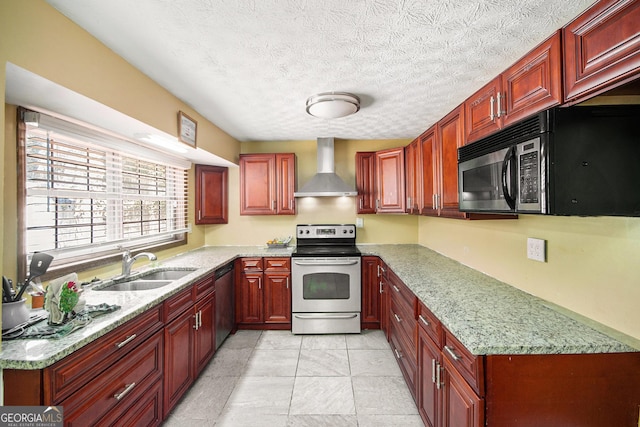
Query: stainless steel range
326	280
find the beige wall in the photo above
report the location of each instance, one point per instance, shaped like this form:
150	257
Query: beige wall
256	230
36	37
591	269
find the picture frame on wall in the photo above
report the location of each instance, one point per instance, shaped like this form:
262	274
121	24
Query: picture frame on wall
187	129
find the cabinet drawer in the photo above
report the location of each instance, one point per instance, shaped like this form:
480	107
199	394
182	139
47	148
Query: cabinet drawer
469	366
400	289
277	264
178	303
117	388
406	359
79	368
251	264
430	323
203	287
404	321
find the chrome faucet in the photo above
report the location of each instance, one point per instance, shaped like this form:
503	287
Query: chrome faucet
128	260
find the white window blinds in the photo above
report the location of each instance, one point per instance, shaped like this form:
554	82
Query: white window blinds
88	192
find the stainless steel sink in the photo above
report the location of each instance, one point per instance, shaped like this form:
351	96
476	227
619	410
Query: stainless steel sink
165	274
136	285
149	280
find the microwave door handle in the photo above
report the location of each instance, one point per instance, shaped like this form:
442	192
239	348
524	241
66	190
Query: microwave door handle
510	156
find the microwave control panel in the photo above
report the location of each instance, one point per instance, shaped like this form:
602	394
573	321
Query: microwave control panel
529	167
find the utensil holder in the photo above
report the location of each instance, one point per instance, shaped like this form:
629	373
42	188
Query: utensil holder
14	313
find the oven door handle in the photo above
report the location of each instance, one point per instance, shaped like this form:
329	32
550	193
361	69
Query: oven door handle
323	262
325	316
509	157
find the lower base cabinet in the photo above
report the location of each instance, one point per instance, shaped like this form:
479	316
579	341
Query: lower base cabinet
189	339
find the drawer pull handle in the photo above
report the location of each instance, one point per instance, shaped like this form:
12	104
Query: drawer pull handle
398	355
452	353
423	320
395	288
398	319
126	391
126	341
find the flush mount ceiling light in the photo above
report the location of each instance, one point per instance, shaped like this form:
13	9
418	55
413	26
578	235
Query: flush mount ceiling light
332	105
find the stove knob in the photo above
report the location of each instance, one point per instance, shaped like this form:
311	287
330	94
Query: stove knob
307	231
344	231
301	231
351	231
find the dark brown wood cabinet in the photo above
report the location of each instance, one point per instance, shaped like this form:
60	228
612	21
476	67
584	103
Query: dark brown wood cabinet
380	181
263	293
450	132
413	174
371	293
460	404
403	329
601	49
366	182
532	84
212	195
112	375
189	338
390	181
267	184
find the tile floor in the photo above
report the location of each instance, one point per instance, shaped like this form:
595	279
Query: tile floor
274	378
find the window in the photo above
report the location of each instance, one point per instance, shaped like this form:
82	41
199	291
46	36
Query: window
88	195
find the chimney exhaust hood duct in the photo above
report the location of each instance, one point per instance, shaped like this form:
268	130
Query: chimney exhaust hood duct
325	183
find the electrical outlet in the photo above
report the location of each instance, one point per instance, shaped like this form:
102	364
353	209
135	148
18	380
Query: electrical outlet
359	222
536	249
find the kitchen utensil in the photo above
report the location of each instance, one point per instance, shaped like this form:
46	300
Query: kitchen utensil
39	265
7	290
14	313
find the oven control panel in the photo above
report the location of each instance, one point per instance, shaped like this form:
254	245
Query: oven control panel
331	231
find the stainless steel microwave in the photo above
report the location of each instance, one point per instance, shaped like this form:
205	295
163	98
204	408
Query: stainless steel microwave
581	160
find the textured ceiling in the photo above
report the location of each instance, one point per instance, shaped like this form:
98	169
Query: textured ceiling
249	65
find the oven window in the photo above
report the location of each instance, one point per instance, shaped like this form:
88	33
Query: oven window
325	286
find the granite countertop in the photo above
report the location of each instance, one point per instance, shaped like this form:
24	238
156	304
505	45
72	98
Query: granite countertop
486	315
492	317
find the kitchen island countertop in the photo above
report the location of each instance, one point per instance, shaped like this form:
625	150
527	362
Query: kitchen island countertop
486	315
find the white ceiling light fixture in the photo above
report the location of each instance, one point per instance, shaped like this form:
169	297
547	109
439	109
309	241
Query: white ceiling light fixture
333	105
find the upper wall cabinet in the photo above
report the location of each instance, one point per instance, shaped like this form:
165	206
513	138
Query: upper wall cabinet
267	184
601	48
413	173
380	181
366	182
212	197
530	85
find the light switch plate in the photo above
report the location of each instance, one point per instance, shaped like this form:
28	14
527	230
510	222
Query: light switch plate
537	249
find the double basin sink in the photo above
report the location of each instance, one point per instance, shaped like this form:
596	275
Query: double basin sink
149	280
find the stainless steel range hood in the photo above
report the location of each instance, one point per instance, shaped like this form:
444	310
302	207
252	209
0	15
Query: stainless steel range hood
325	183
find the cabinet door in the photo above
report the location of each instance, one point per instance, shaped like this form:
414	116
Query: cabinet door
430	165
461	407
205	338
413	174
429	396
483	111
178	359
257	184
251	298
366	182
370	293
286	183
534	83
277	297
212	195
601	48
390	183
451	135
